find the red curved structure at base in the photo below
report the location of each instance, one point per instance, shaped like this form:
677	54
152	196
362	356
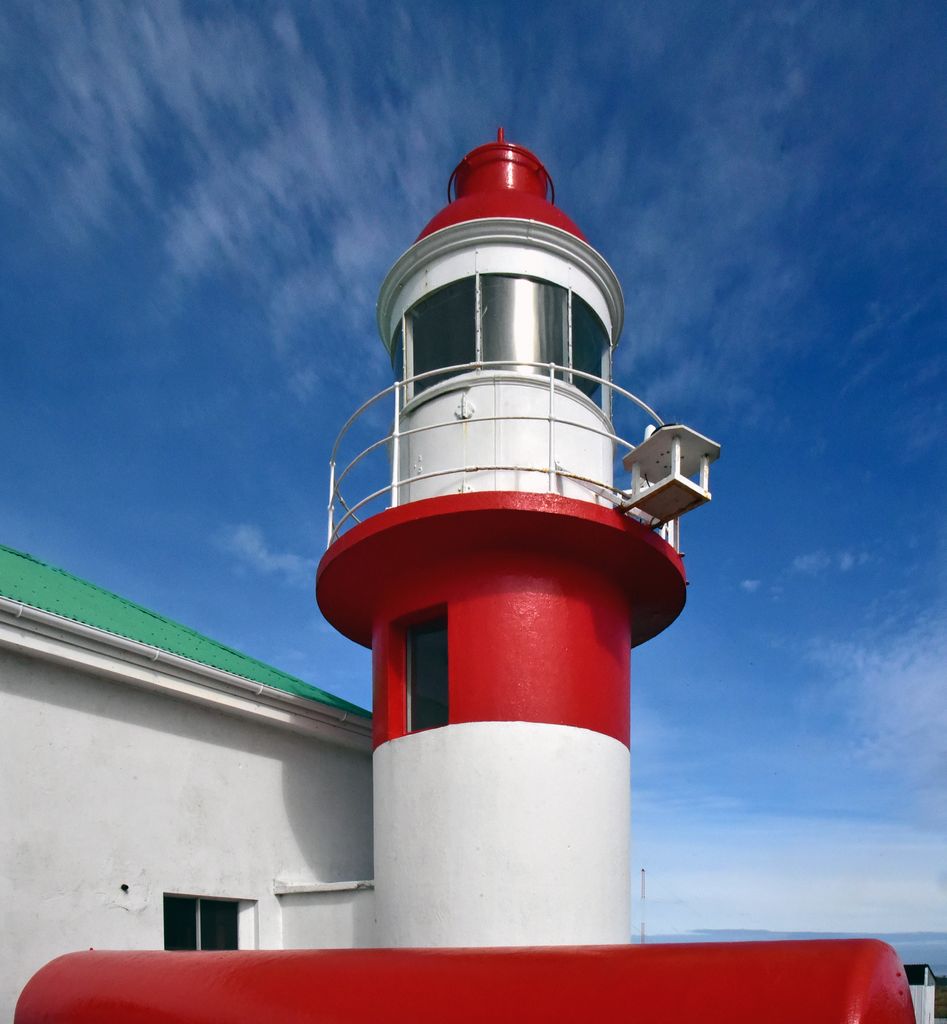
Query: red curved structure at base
812	982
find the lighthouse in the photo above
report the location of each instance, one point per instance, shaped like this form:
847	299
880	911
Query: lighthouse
501	542
502	562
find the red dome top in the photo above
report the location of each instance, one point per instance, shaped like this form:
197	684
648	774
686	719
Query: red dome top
501	179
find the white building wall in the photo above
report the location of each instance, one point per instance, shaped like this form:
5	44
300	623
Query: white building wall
104	784
324	918
923	999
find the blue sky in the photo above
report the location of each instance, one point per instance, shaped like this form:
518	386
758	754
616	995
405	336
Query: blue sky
198	203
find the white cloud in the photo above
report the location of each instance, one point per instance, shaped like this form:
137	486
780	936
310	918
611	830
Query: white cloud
750	586
850	559
249	545
812	563
895	692
285	28
815	562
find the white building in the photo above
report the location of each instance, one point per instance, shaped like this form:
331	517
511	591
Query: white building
159	789
923	989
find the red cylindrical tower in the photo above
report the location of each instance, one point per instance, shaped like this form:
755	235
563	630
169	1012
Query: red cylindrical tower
504	586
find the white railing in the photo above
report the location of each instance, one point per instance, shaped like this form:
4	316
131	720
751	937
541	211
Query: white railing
344	512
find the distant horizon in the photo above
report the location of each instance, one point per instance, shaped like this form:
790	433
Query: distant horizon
913	947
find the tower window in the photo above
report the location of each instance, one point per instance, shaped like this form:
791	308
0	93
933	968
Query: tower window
426	675
192	923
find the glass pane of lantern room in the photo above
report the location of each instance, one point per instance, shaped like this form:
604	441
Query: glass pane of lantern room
442	331
589	340
522	319
397	354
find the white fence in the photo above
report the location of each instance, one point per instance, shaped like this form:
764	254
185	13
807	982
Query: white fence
377	474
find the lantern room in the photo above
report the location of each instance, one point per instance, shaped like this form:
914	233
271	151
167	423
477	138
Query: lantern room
500	322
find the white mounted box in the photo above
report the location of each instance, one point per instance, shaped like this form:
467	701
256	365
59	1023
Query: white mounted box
661	468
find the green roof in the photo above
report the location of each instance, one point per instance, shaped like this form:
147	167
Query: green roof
26	579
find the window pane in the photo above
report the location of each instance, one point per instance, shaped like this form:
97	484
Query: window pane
443	330
588	343
427	675
523	319
180	922
218	924
397	354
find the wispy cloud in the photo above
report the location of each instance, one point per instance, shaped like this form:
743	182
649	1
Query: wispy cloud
721	291
298	152
256	150
252	551
893	689
750	586
850	559
813	563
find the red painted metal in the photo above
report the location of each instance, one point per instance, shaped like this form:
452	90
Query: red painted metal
501	179
501	165
813	982
544	598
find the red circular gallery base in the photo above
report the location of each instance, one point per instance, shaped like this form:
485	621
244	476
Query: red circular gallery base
544	597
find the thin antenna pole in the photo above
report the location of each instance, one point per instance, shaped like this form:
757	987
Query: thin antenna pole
642	906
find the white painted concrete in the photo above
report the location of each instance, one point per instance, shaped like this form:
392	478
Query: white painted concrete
324	918
104	783
922	996
462	432
502	833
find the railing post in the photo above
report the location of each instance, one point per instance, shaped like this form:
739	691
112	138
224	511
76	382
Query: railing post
570	363
478	327
331	501
396	448
610	388
552	433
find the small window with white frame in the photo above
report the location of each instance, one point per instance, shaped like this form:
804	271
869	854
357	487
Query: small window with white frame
200	922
